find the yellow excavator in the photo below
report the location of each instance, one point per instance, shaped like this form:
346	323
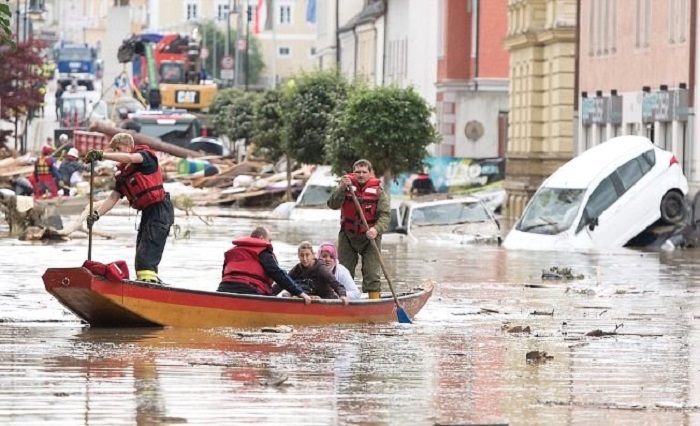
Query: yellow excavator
169	70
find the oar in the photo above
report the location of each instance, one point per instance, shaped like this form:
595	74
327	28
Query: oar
92	175
400	312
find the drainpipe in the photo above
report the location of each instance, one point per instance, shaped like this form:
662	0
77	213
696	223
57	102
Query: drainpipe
476	49
385	41
337	37
357	43
692	44
577	70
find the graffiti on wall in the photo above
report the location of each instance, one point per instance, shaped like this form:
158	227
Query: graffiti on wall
455	175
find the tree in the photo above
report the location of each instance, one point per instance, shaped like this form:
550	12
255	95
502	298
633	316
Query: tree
215	42
20	78
390	127
268	126
5	29
308	109
237	117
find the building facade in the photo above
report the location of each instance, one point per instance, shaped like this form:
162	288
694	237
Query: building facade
542	46
635	74
472	78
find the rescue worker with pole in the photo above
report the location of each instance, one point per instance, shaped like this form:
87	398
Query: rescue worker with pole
354	238
140	180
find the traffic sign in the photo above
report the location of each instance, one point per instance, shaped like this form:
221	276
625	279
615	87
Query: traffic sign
227	62
241	44
204	53
227	74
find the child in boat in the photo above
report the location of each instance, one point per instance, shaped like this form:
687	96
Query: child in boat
329	256
314	278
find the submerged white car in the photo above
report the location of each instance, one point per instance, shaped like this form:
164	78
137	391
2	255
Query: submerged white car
604	198
458	220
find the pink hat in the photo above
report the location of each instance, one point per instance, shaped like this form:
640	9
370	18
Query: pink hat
329	248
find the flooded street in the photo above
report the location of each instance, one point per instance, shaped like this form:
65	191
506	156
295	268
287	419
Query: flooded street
459	363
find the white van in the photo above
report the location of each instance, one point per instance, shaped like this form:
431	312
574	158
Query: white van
603	198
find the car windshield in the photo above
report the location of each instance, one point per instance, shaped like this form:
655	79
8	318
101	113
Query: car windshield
551	211
449	214
314	196
75	54
73	106
156	130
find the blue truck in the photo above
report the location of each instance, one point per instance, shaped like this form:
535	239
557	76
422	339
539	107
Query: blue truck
76	62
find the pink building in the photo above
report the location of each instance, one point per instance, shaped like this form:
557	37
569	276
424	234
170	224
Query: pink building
472	78
635	74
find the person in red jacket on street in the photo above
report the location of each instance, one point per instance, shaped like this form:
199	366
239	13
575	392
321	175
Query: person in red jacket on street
251	267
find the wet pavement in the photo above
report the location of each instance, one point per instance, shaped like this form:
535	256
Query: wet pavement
461	362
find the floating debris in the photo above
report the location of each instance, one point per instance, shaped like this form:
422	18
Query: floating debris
537	357
557	273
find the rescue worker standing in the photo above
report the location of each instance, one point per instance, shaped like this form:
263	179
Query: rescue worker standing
140	180
354	238
251	267
45	174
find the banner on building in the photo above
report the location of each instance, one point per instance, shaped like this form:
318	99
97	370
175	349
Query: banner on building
455	175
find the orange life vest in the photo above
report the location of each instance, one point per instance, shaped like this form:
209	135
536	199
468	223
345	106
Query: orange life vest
242	265
139	189
368	196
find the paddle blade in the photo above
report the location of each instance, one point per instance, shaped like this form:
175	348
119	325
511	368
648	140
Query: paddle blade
403	316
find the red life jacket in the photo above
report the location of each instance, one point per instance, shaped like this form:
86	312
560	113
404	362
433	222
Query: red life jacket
368	196
242	265
139	189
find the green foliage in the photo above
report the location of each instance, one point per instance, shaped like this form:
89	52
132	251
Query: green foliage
308	107
340	154
215	41
268	127
232	113
390	127
240	116
5	30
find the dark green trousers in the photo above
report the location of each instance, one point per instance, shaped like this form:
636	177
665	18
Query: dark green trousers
350	248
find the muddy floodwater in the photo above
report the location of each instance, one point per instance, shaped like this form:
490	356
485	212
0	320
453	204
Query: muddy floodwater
462	362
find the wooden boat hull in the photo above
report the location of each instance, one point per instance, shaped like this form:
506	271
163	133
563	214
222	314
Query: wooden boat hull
103	303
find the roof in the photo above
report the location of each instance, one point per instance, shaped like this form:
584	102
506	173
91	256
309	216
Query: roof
369	13
584	169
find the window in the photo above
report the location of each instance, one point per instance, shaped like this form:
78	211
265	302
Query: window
649	160
312	51
603	197
284	51
284	15
222	10
192	11
630	173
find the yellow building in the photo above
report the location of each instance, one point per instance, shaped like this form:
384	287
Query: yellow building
541	42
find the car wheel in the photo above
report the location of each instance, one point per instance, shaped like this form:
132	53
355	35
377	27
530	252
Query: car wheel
673	208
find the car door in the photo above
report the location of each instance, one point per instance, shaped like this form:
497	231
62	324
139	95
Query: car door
595	227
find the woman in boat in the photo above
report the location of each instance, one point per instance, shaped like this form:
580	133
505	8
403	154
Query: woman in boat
250	267
314	278
329	256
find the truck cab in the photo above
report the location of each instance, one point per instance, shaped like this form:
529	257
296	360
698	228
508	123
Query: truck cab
76	63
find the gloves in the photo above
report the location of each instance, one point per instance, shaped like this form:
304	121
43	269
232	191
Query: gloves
94	217
94	155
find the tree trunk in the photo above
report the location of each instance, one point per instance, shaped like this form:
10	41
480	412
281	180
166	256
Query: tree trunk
140	139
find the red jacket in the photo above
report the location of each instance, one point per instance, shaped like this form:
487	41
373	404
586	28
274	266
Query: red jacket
242	265
368	197
139	189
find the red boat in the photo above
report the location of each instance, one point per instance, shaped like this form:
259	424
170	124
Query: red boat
103	303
